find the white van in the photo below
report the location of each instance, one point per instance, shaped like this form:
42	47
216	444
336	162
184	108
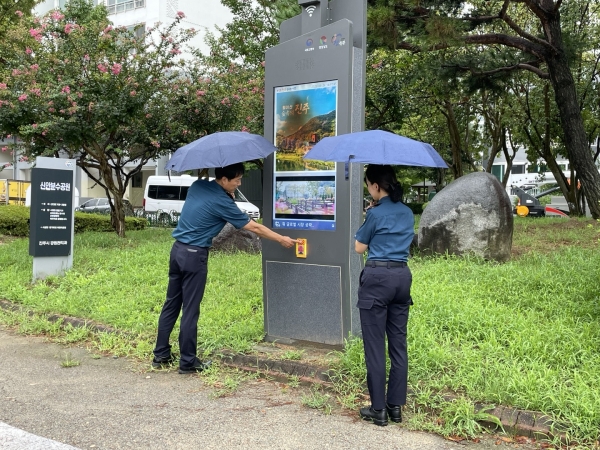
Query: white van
168	195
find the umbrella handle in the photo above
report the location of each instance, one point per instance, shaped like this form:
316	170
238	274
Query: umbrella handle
347	167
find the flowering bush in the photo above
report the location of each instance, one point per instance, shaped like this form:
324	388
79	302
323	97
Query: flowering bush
78	87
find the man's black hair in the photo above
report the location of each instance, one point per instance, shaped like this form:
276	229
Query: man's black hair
230	172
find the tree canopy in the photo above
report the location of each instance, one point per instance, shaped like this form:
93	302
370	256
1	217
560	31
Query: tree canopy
81	88
496	39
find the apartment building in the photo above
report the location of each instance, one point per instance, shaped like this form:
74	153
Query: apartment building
202	15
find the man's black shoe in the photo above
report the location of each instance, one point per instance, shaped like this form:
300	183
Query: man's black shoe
196	368
377	417
394	413
159	363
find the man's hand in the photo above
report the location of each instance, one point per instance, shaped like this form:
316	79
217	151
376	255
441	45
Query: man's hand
288	242
266	233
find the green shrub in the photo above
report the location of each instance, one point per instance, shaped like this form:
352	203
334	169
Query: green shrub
14	221
545	200
417	208
101	222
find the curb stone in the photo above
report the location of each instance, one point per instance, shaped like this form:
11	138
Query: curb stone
530	424
516	422
287	368
73	321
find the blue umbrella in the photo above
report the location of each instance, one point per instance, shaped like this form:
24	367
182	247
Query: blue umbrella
220	150
376	147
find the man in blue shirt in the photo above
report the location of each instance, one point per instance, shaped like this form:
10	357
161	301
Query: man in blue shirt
209	205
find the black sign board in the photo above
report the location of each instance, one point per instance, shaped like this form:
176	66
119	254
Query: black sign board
51	218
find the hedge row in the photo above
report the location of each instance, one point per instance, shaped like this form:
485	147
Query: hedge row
417	208
14	221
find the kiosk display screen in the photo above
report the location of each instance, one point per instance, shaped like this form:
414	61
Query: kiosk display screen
304	190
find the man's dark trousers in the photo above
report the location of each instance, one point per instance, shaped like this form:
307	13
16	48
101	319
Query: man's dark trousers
187	280
384	301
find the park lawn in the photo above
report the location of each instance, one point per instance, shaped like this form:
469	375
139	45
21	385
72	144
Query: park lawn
122	283
523	334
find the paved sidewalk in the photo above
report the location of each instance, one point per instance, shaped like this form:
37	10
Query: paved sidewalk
111	403
12	438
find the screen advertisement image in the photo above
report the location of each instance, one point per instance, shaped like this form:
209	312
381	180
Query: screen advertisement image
305	202
304	190
304	114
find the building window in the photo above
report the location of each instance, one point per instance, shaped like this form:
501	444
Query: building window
136	181
518	169
118	6
137	30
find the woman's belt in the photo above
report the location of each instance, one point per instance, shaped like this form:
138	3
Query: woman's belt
386	263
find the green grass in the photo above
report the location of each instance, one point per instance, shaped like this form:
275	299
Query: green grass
68	361
522	334
292	355
316	398
122	283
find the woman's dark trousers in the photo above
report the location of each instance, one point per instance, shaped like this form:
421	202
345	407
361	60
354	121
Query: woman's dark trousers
384	300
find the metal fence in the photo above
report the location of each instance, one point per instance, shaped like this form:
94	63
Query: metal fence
158	218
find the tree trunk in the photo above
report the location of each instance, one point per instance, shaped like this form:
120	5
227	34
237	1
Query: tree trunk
571	119
440	175
117	214
115	199
546	153
454	140
497	136
509	160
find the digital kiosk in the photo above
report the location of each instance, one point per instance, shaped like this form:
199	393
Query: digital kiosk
314	88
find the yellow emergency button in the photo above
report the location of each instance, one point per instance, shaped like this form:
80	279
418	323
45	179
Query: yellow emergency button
301	248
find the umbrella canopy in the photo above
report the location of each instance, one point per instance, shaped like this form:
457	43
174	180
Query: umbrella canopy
376	147
220	150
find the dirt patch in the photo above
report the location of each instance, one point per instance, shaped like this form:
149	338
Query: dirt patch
549	234
6	239
302	352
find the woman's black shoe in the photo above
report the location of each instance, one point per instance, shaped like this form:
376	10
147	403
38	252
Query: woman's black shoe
377	417
394	413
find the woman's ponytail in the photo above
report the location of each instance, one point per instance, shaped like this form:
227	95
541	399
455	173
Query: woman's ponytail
396	192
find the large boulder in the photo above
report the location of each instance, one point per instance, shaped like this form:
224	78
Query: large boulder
231	239
473	214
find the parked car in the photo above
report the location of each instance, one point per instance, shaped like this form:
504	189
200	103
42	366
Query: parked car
165	195
101	206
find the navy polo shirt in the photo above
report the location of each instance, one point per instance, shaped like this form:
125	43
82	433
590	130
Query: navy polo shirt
206	210
388	231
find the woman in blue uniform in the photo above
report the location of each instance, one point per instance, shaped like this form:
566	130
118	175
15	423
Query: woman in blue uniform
384	293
